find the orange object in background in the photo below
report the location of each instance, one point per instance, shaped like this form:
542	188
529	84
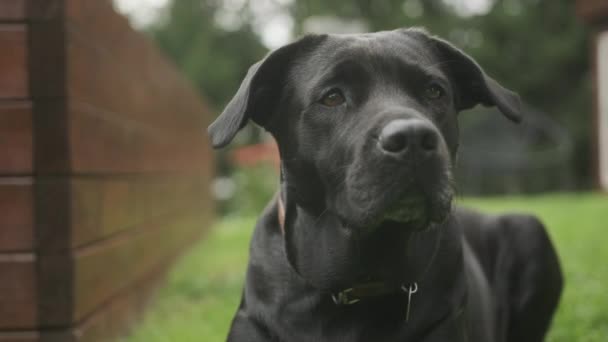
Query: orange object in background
251	155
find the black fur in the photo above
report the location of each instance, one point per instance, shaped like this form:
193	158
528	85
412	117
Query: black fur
358	210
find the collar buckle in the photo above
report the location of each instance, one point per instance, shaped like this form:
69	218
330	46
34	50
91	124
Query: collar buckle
344	297
347	297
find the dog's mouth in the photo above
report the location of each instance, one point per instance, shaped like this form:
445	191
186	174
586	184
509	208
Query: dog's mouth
414	194
432	207
408	210
417	212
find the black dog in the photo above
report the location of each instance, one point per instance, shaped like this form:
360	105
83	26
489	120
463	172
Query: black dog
361	242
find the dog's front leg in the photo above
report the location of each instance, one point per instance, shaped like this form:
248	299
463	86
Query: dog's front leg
246	329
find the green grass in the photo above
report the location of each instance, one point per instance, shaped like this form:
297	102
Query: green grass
204	289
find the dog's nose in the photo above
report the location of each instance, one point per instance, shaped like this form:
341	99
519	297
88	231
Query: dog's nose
413	135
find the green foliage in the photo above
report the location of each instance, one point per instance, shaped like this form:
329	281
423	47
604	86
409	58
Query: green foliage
204	289
214	58
255	186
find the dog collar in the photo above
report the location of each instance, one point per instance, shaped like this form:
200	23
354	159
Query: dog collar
355	294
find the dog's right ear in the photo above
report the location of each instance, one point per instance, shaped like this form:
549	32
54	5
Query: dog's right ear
476	85
259	92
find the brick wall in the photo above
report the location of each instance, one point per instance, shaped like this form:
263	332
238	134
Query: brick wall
104	170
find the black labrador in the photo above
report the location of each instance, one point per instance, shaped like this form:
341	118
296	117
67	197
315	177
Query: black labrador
361	242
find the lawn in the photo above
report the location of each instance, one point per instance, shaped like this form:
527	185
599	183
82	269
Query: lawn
203	290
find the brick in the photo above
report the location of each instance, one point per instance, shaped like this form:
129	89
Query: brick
13	61
16	138
12	10
16	214
18	295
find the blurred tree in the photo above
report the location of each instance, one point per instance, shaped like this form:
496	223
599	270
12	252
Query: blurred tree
215	58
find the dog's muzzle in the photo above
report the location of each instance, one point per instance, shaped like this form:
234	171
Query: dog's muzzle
407	138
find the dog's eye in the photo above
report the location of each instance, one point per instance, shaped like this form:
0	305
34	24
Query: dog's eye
434	91
333	98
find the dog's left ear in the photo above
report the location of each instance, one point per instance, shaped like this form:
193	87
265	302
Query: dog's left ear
473	85
259	92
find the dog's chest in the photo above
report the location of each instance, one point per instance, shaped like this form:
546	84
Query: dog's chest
384	320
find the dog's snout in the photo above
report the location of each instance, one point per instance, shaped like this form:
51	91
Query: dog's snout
408	135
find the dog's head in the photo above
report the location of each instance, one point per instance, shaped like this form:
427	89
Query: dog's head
367	131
